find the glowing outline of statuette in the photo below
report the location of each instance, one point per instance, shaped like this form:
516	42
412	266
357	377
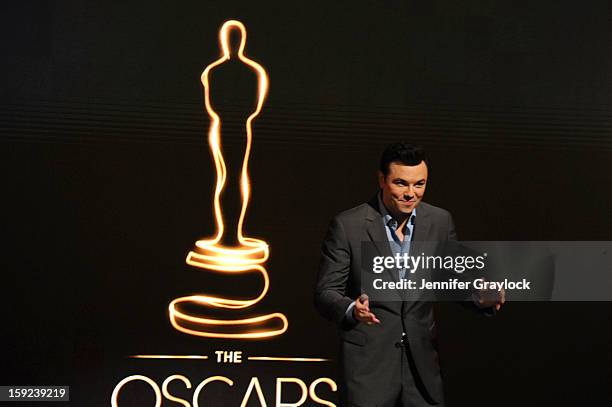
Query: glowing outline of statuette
209	254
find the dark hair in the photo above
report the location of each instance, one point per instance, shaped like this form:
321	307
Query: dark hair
405	153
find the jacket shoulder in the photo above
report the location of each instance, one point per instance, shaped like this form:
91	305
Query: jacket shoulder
433	211
357	212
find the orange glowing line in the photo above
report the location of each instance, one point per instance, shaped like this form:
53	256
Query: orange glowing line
170	397
115	395
256	358
214	136
168	357
286	359
209	254
196	392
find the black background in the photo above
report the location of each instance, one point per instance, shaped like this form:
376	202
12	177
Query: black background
107	178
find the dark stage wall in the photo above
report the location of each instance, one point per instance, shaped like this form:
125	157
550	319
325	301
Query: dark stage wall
107	179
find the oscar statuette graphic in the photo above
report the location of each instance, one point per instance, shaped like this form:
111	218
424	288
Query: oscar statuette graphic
229	250
230	255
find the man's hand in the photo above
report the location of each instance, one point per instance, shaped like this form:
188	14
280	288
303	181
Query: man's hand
361	311
490	298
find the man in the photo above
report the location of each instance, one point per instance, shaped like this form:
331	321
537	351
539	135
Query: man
387	351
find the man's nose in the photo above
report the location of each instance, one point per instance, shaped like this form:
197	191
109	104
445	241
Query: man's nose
409	193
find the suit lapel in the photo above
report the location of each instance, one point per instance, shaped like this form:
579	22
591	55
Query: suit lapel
377	234
422	224
375	228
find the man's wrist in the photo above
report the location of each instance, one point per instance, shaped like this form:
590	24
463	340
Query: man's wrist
349	314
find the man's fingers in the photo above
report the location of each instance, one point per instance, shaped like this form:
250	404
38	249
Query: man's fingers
364	314
362	308
373	319
367	317
364	302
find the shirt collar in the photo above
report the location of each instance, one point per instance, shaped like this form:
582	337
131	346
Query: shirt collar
387	216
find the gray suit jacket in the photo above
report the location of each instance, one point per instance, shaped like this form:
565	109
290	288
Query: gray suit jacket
368	352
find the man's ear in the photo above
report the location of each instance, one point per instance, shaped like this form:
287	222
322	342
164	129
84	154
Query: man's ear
381	179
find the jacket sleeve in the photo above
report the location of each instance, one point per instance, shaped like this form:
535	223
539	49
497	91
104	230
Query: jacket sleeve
452	234
473	300
334	268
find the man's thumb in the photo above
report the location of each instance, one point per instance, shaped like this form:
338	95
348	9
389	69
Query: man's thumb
363	298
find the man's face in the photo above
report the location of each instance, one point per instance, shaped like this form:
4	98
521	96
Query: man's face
403	187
